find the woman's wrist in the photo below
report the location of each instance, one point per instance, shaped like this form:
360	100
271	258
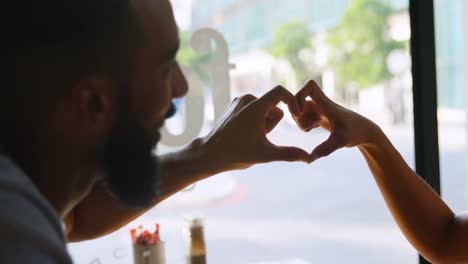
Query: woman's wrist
376	138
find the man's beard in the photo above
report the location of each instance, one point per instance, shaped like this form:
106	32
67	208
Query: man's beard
132	171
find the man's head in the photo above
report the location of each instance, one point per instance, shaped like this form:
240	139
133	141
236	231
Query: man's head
95	79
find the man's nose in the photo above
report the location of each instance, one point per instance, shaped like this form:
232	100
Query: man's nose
179	83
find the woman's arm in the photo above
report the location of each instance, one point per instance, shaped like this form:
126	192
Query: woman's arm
426	221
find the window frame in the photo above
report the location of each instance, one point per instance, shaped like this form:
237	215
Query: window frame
423	53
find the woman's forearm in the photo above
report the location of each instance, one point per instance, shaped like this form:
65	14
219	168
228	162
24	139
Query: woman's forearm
423	217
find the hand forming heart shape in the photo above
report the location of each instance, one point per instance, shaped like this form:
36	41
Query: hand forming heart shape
347	128
239	139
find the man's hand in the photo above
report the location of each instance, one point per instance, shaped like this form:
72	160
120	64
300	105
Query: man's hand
347	128
239	139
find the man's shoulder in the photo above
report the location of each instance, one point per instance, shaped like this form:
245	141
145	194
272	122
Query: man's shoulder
19	212
27	235
22	201
29	229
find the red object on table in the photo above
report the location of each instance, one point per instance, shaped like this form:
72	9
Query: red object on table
144	237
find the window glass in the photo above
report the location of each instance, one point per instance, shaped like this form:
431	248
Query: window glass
451	40
327	212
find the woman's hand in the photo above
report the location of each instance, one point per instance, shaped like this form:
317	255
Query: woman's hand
347	128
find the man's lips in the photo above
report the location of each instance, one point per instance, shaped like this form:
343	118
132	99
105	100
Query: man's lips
171	111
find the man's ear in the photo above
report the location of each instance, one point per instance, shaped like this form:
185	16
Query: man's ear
95	101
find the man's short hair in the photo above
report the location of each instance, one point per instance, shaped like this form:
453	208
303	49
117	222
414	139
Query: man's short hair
50	44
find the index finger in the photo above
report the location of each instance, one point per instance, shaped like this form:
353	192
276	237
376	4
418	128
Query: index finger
276	95
312	90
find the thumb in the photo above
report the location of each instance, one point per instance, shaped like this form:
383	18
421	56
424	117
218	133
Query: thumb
290	154
324	149
273	118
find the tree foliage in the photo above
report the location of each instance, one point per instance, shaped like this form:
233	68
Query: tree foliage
187	57
289	40
360	44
